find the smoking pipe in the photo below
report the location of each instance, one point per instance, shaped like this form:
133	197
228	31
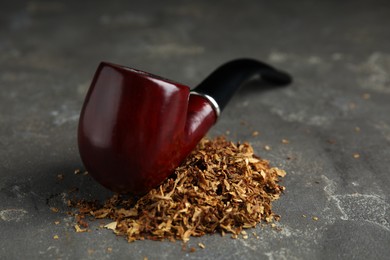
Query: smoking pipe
135	128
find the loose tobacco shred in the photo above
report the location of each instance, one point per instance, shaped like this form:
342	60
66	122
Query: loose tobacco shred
221	187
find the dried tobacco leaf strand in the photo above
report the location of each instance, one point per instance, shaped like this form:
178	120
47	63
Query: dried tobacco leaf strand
221	187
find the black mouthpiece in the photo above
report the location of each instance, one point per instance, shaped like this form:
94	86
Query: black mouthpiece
227	79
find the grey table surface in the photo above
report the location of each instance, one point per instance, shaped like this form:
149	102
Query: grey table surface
338	106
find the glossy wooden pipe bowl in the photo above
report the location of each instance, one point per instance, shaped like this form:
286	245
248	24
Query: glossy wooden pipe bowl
136	128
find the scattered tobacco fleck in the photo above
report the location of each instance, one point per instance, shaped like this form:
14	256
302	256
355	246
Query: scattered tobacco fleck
285	141
221	187
366	96
55	210
79	230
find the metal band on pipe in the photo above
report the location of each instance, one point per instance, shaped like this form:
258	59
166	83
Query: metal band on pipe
212	101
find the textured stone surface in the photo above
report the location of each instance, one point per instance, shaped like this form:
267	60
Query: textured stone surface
338	106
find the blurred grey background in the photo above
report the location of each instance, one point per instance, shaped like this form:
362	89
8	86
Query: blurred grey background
335	116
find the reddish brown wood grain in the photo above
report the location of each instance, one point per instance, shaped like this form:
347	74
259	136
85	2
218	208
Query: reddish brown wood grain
136	128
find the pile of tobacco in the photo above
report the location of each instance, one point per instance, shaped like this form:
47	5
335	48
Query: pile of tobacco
221	187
